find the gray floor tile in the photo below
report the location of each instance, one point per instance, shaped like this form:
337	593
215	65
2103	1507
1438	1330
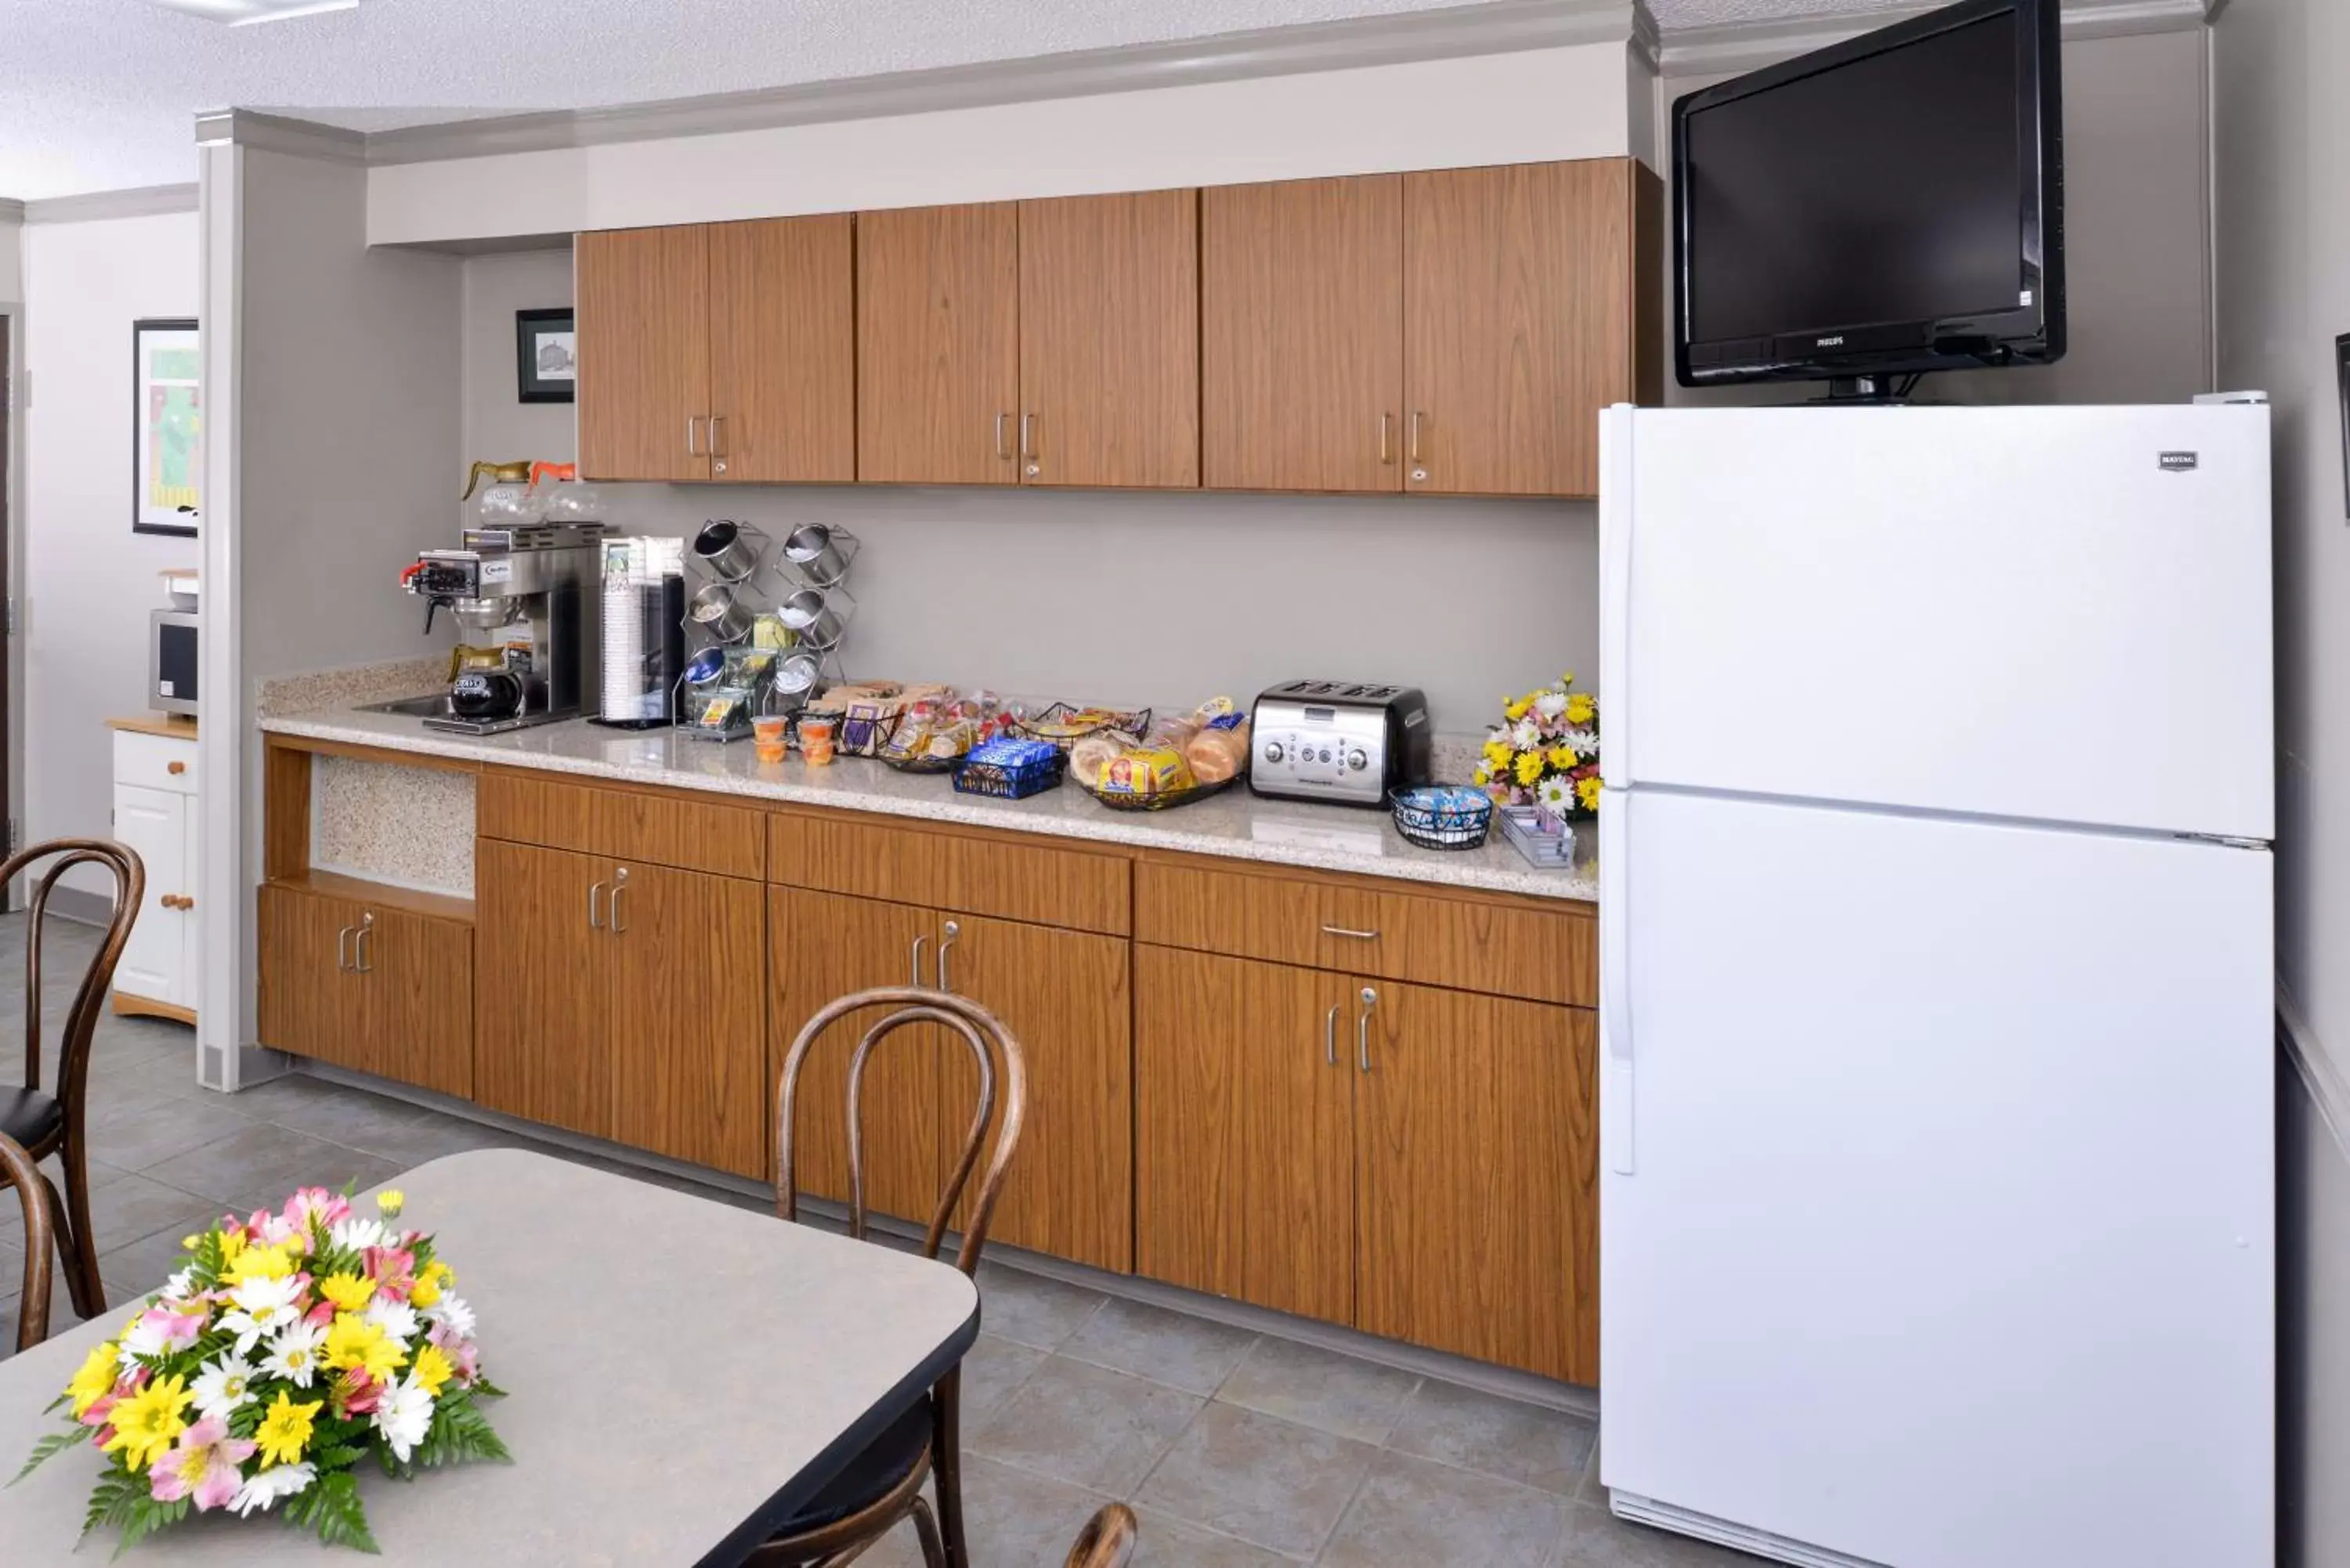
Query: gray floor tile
1031	1309
1269	1482
992	1371
1319	1387
138	1207
263	1163
1014	1518
1183	1352
1595	1538
132	1272
1163	1541
148	1134
1084	1425
1433	1516
404	1134
1536	1448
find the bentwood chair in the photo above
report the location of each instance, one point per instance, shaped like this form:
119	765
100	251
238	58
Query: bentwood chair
33	1307
883	1486
1106	1540
47	1123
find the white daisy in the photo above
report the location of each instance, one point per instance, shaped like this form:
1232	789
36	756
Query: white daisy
223	1386
1527	735
262	1308
396	1319
1584	743
263	1489
1555	795
403	1415
452	1312
359	1234
181	1286
1550	704
294	1353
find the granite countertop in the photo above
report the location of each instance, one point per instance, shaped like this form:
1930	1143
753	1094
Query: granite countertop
1236	824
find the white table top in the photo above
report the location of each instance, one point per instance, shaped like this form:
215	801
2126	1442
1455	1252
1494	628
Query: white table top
681	1373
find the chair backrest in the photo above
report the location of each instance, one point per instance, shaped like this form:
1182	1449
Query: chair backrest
996	1051
81	1019
17	1171
1106	1540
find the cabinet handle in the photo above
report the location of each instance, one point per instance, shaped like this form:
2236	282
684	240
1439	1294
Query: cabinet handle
175	769
1363	1030
1416	419
1350	936
946	945
1330	1035
919	943
595	907
1386	438
342	960
1027	435
716	421
619	886
1001	450
690	421
360	945
178	901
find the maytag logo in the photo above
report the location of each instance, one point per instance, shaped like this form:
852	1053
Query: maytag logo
1837	342
2180	461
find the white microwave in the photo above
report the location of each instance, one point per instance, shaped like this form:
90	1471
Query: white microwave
171	660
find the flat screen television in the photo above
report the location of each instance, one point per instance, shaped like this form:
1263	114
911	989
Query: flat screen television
1888	206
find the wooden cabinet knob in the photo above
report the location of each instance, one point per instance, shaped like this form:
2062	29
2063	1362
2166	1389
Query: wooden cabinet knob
178	901
175	768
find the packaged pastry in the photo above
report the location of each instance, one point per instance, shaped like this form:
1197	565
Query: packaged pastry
1145	770
1096	751
1220	752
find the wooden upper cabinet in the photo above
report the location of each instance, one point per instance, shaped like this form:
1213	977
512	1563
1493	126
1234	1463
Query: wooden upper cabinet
937	344
1301	334
643	331
1518	312
783	351
1110	341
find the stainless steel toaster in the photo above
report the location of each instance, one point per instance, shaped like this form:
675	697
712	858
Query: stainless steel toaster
1339	741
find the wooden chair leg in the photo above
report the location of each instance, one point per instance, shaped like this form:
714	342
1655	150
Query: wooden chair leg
946	1465
85	1234
926	1528
86	1302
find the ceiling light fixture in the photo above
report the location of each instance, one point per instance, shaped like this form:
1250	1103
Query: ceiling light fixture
245	12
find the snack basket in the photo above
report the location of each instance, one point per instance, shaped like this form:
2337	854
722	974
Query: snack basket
1063	726
1010	769
1443	816
1164	800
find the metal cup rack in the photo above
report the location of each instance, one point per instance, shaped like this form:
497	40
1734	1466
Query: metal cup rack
736	576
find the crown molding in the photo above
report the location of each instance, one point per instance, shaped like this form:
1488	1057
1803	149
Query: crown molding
11	210
1496	26
142	202
276	133
1732	46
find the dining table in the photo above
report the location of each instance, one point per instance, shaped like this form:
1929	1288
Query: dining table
682	1376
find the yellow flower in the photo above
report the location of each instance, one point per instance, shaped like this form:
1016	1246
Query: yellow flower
1582	708
1586	793
96	1378
1530	768
1516	708
350	1293
146	1424
1498	754
285	1432
256	1263
1481	778
1562	757
392	1200
432	1369
355	1342
1567	678
429	1281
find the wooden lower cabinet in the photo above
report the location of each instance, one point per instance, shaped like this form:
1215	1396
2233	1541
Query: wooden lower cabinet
538	1008
371	989
1243	1131
1476	1177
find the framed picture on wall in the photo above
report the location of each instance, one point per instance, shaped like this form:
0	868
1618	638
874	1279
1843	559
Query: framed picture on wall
547	356
167	447
2341	386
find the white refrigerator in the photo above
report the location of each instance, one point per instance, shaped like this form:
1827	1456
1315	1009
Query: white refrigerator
1937	996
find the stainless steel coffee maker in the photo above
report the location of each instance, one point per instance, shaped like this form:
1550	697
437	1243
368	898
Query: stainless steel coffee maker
525	598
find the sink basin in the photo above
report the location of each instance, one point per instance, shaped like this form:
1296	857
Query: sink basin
432	705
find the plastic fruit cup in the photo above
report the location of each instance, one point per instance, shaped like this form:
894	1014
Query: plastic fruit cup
767	735
816	741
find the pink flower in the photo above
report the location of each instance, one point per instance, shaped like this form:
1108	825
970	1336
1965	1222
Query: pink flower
316	1203
160	1331
203	1466
96	1415
266	1229
463	1353
357	1393
321	1316
393	1269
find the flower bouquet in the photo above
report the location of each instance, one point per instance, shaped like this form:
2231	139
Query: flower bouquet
1545	753
286	1350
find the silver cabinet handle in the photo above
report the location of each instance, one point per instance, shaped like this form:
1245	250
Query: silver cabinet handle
1330	1035
1027	435
691	420
716	420
360	945
1001	450
1350	936
1386	438
1417	417
919	943
946	945
619	886
342	962
595	907
1363	1030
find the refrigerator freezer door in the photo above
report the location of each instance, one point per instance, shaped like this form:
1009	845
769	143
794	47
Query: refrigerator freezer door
2039	612
1950	1238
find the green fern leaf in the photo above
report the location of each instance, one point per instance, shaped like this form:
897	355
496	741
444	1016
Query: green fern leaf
47	1449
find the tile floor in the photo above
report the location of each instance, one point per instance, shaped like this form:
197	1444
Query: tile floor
1235	1449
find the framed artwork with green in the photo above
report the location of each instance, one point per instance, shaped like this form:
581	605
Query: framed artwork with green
167	447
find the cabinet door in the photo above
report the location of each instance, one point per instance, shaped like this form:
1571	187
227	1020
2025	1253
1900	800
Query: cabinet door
685	958
937	344
783	351
823	946
1243	1131
154	823
1518	306
1301	334
415	983
643	320
540	1006
310	1004
1069	1191
1477	1185
191	966
1109	340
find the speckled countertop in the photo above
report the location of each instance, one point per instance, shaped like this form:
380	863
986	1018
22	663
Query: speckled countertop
1236	825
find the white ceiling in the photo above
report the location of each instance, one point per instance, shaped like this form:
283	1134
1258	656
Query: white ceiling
100	95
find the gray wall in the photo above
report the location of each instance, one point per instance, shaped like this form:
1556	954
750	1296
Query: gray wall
2282	139
1141	597
2137	236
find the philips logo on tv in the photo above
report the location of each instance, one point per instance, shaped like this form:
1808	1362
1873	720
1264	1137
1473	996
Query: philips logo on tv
1830	343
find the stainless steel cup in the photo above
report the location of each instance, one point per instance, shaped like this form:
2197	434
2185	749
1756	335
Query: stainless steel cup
818	615
725	551
797	676
716	611
819	553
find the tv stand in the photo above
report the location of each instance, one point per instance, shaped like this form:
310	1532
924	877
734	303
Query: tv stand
1882	391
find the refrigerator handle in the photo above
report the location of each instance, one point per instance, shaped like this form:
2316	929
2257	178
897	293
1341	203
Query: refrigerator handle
1616	430
1614	981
